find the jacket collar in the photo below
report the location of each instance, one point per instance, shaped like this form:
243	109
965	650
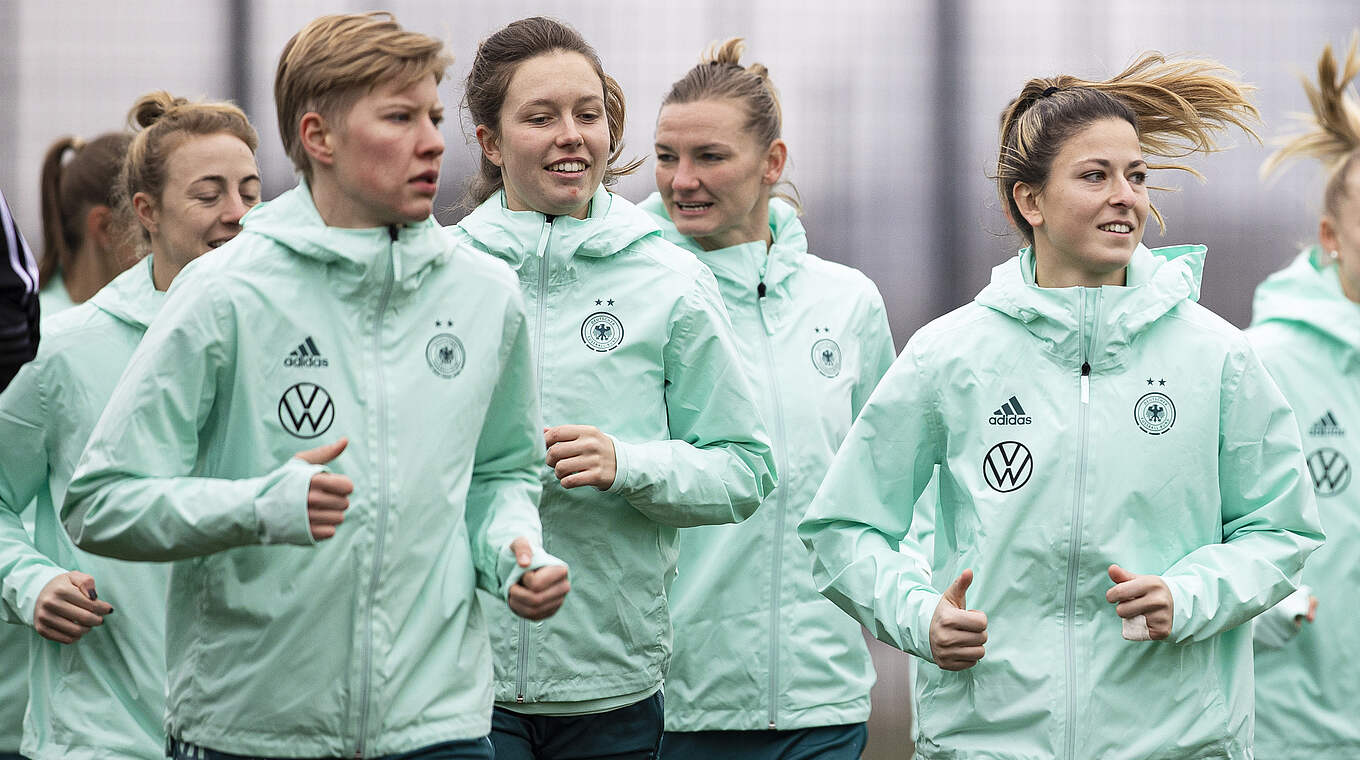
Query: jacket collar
741	268
612	225
357	258
1096	324
131	297
1308	294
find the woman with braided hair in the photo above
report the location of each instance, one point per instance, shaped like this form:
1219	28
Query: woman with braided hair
1306	328
1120	483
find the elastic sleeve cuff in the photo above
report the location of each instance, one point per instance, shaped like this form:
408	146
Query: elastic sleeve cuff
1180	611
621	469
509	569
926	602
281	507
27	597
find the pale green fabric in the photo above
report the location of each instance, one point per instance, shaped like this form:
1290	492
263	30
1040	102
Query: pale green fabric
1308	689
53	298
372	642
1214	500
101	697
756	646
632	338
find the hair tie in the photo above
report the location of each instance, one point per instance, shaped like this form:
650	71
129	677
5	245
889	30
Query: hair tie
77	144
1049	91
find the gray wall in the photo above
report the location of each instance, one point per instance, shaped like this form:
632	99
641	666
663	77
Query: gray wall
890	112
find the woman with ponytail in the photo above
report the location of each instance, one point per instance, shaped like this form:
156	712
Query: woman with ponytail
97	676
764	666
651	423
1121	484
86	243
1306	328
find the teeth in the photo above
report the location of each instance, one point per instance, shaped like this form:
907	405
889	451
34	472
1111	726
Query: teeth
1116	227
568	166
693	206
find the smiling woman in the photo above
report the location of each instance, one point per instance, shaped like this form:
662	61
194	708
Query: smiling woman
651	422
189	177
1185	516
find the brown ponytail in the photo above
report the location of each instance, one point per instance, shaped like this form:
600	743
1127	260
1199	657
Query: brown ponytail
69	188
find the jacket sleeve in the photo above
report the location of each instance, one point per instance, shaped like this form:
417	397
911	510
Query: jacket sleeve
502	499
876	347
1278	625
18	298
718	466
863	511
133	495
1269	515
24	570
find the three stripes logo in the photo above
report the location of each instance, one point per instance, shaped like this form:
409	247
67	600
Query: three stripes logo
305	355
1326	425
1007	466
306	410
1330	471
1010	413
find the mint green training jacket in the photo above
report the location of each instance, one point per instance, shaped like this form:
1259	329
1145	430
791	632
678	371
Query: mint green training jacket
1308	691
102	696
756	647
1075	428
292	335
632	338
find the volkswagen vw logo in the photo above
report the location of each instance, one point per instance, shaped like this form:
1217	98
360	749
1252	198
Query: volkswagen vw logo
1007	466
306	410
1330	471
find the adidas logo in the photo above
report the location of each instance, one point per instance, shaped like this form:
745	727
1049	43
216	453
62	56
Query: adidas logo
1010	413
1326	425
305	355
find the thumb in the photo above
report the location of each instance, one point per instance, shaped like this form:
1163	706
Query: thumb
323	454
957	592
1120	575
85	583
524	553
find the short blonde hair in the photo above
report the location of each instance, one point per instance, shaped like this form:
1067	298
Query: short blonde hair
336	59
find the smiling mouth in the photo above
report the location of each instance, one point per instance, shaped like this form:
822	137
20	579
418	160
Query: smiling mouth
568	167
684	206
1122	228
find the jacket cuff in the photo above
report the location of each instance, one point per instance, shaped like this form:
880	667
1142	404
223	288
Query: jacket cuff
281	507
509	569
26	595
925	602
621	468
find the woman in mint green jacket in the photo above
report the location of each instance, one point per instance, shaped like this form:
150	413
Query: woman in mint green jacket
324	604
652	425
1121	483
764	665
97	682
1306	327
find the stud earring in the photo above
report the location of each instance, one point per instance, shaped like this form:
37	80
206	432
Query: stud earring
1333	254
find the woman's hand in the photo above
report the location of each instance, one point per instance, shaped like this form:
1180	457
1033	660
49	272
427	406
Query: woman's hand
68	608
956	632
1141	596
581	455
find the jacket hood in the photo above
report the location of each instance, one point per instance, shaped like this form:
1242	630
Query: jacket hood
1158	280
514	235
743	267
131	296
357	256
1308	294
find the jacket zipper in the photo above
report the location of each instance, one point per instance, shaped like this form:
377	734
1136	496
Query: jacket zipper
365	695
521	687
778	534
1078	506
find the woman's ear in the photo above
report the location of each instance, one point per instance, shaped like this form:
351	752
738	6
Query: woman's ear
146	211
1027	200
490	144
1327	235
316	137
775	158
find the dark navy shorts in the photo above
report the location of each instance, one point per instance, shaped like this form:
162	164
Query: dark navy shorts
822	743
632	732
471	749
